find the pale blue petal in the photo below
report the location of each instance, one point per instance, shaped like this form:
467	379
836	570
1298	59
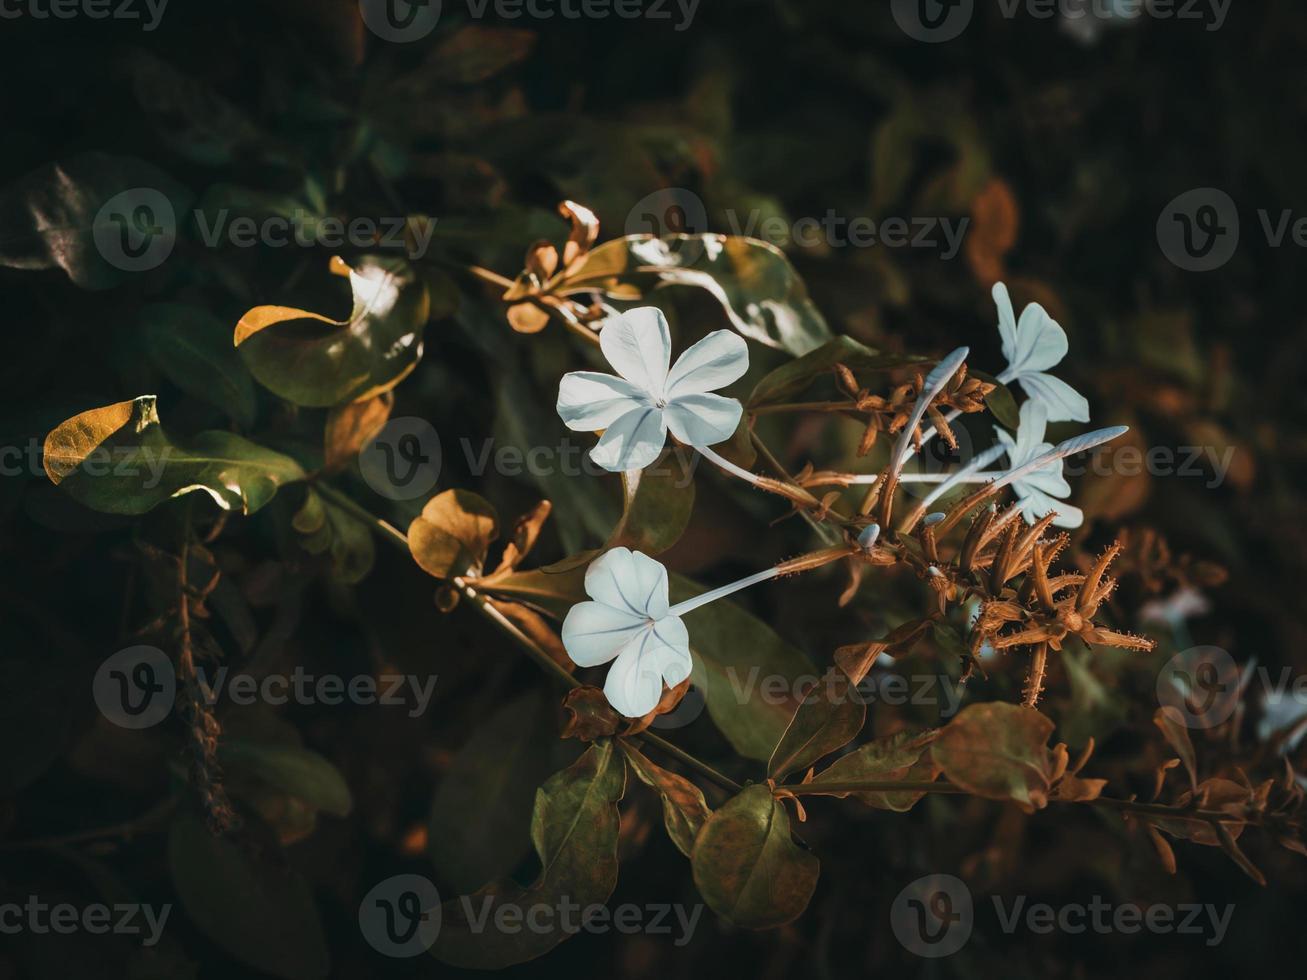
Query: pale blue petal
632	442
607	576
595	632
1041	341
703	420
589	401
714	362
1048	479
638	345
635	681
1062	402
1007	320
1035	505
1030	432
645	585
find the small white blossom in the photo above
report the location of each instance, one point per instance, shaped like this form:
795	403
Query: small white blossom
630	623
1037	489
637	409
1031	347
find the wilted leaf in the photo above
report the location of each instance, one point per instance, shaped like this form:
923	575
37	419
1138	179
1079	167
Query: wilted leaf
118	459
829	717
899	757
352	426
191	347
590	716
684	809
999	751
313	360
748	868
574	829
753	280
260	912
453	533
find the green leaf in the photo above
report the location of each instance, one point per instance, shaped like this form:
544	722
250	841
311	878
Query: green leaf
290	769
754	282
657	504
1000	401
791	379
54	216
684	809
258	910
901	756
494	776
193	350
737	657
574	829
829	717
748	868
453	533
313	360
999	751
117	459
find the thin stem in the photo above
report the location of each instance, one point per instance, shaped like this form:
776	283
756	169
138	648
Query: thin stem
397	539
712	455
494	278
828	534
689	605
804	407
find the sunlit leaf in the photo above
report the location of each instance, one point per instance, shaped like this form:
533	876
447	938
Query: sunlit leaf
453	533
118	459
352	426
753	280
313	360
746	865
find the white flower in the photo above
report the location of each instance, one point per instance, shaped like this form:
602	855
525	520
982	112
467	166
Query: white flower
1036	490
629	623
649	398
1031	347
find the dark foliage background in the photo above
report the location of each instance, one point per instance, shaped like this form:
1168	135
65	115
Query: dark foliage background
766	108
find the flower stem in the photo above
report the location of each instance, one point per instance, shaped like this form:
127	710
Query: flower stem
689	605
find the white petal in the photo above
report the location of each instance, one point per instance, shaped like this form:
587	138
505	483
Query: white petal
638	345
589	401
1030	432
714	362
632	442
630	581
595	632
1035	505
635	680
703	420
1041	341
1007	320
1048	479
1062	402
